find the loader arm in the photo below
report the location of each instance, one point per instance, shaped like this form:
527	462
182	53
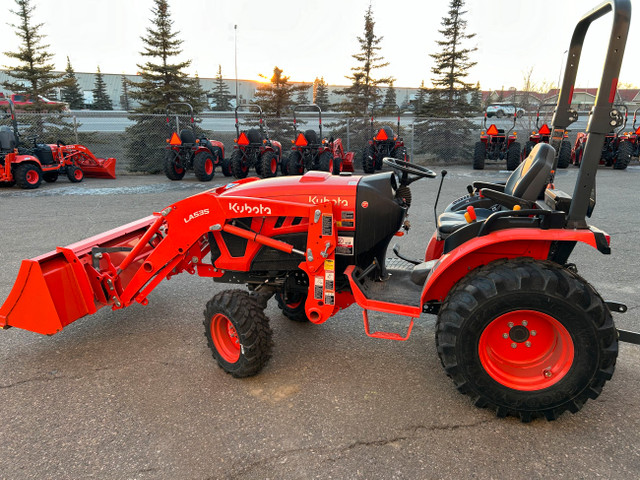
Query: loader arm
122	266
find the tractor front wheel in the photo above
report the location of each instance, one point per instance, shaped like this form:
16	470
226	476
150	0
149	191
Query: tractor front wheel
526	338
203	166
239	165
269	165
368	160
172	167
337	165
479	155
225	164
623	157
237	332
28	175
564	157
325	162
294	164
75	174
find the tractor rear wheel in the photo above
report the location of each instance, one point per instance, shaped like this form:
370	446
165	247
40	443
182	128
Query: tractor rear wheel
528	146
172	167
50	177
28	175
368	162
577	154
294	307
325	162
203	166
337	165
75	174
479	154
237	332
564	157
225	165
513	156
239	165
526	338
294	164
269	165
623	157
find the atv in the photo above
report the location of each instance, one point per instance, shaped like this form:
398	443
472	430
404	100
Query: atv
312	151
185	151
384	143
254	148
495	144
27	166
542	134
518	330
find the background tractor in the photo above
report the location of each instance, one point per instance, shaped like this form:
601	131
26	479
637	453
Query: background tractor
254	149
384	143
495	144
186	151
26	166
312	151
543	134
616	150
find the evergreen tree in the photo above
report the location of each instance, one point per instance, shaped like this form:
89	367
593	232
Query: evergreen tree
390	104
34	77
162	82
71	93
275	98
124	98
321	93
476	99
302	98
363	93
101	100
221	95
421	98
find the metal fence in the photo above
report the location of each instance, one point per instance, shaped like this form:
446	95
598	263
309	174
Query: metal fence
138	142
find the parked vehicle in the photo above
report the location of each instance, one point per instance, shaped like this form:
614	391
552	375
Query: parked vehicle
22	100
543	134
501	110
385	143
495	144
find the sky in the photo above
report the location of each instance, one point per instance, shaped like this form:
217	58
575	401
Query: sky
313	39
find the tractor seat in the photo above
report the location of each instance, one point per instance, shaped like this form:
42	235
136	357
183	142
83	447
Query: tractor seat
7	140
526	182
254	135
187	136
389	132
311	136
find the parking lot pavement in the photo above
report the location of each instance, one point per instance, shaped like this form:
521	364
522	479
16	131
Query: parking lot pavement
136	393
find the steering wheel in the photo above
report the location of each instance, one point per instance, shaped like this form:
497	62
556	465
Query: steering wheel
410	171
60	142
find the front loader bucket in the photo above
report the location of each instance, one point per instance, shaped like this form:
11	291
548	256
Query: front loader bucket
59	287
101	168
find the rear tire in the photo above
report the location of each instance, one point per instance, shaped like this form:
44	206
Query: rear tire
479	154
564	157
513	156
555	361
623	157
368	162
237	332
28	176
75	174
172	168
325	162
50	177
294	164
269	165
204	166
337	165
239	165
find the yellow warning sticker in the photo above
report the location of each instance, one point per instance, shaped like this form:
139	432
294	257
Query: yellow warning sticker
330	265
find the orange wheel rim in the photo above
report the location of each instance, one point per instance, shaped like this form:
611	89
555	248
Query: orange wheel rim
225	338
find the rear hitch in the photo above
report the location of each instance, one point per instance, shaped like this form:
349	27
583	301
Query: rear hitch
623	335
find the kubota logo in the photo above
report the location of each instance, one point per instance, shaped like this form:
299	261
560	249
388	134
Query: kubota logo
253	210
339	201
197	214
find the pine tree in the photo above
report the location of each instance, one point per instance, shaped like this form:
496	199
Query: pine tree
124	98
275	98
302	98
363	95
34	77
101	100
390	104
321	93
421	98
71	93
221	95
162	82
476	99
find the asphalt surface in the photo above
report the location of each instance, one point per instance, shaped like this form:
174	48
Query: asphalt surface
136	394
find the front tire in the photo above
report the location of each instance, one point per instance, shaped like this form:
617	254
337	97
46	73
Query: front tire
75	174
368	161
294	164
238	333
513	156
239	165
269	165
325	162
526	338
204	166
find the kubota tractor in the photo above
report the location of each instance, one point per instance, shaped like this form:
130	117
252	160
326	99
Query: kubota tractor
616	150
254	148
384	143
495	144
186	151
28	166
312	151
633	136
542	134
518	329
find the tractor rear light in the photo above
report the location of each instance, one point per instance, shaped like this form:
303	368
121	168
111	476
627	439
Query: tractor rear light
243	139
607	237
264	142
301	141
545	130
197	140
382	135
515	134
175	139
492	130
482	133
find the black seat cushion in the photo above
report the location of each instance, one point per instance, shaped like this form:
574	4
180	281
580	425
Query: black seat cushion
311	136
44	154
254	135
187	136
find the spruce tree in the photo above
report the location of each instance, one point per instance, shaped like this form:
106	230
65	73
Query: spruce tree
221	95
390	104
124	98
71	93
321	93
302	98
363	95
162	82
275	97
421	98
101	100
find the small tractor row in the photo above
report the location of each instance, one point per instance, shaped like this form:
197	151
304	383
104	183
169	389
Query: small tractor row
27	166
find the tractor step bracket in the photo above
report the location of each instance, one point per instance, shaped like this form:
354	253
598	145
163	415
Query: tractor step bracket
616	307
385	335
